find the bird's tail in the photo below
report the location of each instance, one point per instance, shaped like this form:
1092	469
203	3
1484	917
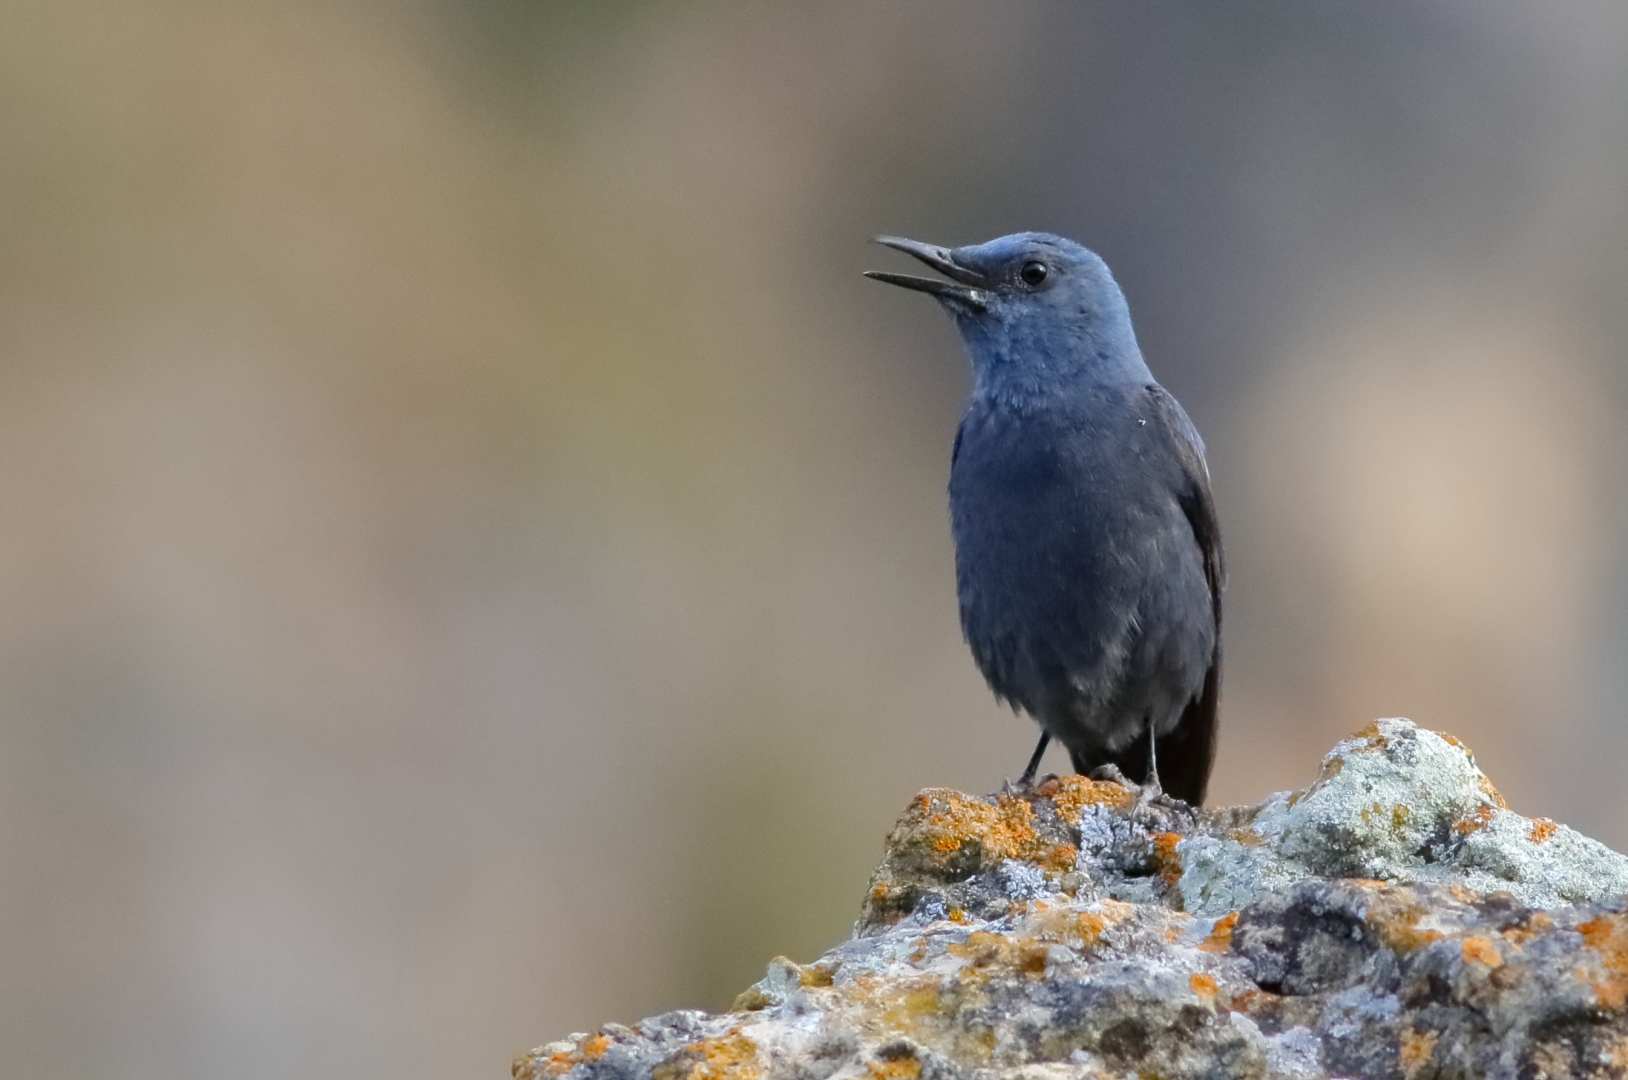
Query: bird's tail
1187	753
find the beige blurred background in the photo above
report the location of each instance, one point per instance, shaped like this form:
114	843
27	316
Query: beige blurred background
473	559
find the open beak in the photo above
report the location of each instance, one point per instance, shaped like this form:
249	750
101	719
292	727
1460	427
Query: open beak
964	287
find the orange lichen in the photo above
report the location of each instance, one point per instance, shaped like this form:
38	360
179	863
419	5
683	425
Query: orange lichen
754	998
1416	1050
1203	985
1598	931
1519	934
1397	925
1477	818
1481	950
557	1059
1067	926
731	1056
1246	835
1089	926
981	947
906	1007
1248	999
903	1067
1371	735
1073	793
1608	935
1540	829
1397	813
986	953
1116	910
1058	857
1220	937
949	822
535	1064
1406	936
1491	792
949	819
1165	857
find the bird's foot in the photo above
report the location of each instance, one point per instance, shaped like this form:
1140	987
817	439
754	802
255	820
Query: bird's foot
1151	794
1111	772
1147	800
1025	784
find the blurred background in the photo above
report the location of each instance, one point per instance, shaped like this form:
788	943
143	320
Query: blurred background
473	555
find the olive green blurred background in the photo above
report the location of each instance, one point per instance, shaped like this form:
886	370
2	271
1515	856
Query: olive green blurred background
473	559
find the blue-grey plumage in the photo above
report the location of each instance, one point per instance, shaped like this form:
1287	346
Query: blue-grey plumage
1088	558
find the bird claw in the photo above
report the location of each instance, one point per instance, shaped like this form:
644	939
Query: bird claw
1149	794
1111	772
1144	797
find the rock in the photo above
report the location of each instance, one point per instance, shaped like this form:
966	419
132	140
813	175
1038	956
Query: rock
1394	919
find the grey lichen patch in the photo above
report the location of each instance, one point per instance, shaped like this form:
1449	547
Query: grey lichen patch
1399	803
1394	919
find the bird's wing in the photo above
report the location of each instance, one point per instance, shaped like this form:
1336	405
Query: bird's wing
1190	748
1194	494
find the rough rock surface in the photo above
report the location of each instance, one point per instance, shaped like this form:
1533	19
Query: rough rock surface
1394	919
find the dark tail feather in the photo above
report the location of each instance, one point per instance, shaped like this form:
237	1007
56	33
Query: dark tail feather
1187	753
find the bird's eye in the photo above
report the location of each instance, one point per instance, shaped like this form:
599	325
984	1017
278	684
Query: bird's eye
1033	273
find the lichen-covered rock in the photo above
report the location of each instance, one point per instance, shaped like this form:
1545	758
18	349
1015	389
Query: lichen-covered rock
1394	919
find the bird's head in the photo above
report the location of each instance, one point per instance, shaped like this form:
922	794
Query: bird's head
1035	310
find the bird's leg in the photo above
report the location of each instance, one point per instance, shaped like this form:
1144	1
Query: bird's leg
1027	779
1150	792
1153	758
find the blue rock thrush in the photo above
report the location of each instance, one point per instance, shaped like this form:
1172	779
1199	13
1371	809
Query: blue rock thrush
1087	555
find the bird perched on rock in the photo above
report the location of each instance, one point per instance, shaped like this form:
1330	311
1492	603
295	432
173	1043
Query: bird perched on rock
1087	554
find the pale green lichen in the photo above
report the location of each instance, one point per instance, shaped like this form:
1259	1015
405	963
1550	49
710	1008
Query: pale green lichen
1399	803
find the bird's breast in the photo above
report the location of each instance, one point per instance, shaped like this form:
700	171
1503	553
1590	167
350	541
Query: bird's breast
1054	509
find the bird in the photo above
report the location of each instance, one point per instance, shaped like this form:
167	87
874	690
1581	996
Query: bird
1088	558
